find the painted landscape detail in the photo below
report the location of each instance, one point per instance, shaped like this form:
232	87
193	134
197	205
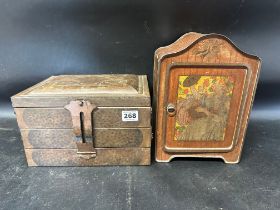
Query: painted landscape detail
202	107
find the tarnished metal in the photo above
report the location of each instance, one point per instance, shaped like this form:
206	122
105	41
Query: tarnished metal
103	117
81	113
171	110
103	138
79	120
69	157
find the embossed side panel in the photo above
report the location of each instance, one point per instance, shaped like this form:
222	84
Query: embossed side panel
110	117
69	157
103	138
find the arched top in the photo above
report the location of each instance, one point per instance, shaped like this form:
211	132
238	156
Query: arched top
188	40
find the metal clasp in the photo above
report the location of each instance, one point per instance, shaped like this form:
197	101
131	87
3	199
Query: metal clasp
81	113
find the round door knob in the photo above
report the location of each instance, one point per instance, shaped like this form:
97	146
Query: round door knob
171	110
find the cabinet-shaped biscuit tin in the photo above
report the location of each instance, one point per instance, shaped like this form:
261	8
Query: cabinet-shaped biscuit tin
86	120
203	91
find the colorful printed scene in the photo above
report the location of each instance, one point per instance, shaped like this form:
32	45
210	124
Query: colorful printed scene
202	107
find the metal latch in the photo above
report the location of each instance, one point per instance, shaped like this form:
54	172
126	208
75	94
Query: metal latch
81	113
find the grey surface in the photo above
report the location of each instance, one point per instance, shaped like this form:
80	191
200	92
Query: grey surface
181	184
40	38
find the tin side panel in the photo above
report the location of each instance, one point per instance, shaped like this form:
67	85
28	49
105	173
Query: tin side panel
111	117
103	138
69	157
107	100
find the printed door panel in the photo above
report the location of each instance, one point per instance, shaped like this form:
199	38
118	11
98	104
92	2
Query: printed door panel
203	104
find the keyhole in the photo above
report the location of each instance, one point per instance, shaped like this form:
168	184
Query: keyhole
82	127
171	110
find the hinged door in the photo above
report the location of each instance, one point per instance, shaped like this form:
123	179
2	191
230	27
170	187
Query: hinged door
202	107
203	91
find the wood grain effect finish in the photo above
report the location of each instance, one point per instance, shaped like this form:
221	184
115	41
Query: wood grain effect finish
199	54
69	157
103	138
103	117
99	136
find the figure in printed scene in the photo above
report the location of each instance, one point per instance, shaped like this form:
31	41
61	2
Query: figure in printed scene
202	114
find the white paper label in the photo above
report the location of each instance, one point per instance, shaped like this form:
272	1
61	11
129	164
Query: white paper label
129	115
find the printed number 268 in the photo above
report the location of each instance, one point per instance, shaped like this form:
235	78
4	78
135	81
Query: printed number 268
130	115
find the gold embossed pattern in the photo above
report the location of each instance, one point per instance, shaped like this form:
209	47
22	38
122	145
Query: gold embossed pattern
87	84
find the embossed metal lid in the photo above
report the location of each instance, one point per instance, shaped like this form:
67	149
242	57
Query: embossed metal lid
104	90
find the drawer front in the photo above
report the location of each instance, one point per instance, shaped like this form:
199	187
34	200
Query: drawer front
103	117
103	137
69	157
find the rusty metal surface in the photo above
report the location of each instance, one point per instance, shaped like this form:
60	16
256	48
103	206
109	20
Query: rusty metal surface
69	157
103	137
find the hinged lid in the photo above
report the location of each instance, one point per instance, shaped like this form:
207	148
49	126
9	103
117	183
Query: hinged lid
104	90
